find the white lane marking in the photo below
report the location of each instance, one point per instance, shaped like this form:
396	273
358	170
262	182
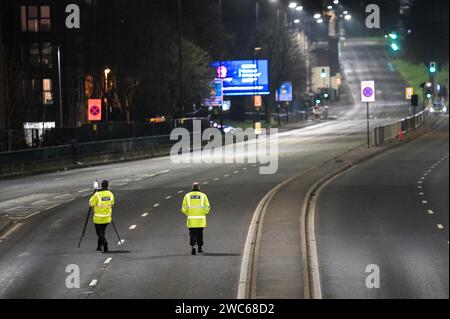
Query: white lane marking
430	212
205	183
163	172
236	172
424	202
122	184
133	227
84	190
168	197
61	196
440	226
420	182
216	179
86	195
180	192
419	187
93	283
38	202
138	179
108	260
156	205
226	175
51	207
421	194
422	178
121	242
144	215
14	208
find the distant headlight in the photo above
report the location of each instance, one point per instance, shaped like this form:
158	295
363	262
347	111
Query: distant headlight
444	109
431	110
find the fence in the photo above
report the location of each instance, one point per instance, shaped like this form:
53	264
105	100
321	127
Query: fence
383	134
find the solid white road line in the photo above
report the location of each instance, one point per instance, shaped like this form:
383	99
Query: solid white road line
61	196
38	202
14	208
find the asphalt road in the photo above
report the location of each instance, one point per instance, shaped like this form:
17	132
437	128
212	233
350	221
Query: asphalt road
393	212
155	261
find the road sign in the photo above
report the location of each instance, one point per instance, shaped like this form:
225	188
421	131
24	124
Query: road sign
94	110
409	92
284	92
368	91
257	101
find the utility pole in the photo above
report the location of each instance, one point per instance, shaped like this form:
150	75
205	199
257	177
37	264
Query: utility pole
180	56
60	89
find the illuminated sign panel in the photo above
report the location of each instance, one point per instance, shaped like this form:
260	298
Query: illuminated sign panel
244	77
94	110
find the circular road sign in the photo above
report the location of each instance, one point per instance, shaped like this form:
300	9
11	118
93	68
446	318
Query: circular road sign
368	92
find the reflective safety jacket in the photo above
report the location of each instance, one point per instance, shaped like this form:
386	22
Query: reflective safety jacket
102	203
196	207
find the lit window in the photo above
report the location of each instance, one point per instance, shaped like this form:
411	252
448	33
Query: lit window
35	18
47	93
45	18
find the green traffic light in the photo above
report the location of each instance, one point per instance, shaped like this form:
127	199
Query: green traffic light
393	36
395	47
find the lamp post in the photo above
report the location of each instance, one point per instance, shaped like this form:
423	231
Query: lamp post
60	89
106	72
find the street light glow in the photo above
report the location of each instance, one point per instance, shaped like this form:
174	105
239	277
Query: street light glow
336	1
330	7
299	8
317	16
293	5
348	17
297	21
345	12
319	20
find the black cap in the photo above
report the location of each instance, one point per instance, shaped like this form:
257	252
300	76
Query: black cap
105	184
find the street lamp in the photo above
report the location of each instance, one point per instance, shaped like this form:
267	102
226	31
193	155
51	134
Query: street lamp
347	17
107	71
293	5
317	16
319	21
297	21
336	1
299	8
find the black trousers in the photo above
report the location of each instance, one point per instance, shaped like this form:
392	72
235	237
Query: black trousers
100	229
196	235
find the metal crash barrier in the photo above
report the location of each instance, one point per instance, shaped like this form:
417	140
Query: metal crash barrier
383	134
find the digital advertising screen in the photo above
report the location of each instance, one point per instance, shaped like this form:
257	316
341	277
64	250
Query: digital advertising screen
243	77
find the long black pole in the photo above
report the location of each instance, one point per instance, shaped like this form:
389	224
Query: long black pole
117	233
368	126
84	227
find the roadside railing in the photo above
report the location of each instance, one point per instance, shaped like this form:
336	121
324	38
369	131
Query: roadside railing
386	133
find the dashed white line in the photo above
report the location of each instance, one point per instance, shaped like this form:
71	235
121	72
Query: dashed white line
424	202
421	194
226	175
14	208
236	172
430	212
180	192
440	226
205	183
38	202
108	260
144	215
84	190
138	179
133	227
216	179
168	197
156	205
61	196
121	242
93	283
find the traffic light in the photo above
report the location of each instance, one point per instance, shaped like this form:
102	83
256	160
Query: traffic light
429	93
433	67
394	38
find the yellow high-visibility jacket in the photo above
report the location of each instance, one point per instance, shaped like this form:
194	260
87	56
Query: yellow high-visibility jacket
196	206
102	203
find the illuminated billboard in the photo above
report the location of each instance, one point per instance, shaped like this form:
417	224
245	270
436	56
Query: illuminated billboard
243	77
